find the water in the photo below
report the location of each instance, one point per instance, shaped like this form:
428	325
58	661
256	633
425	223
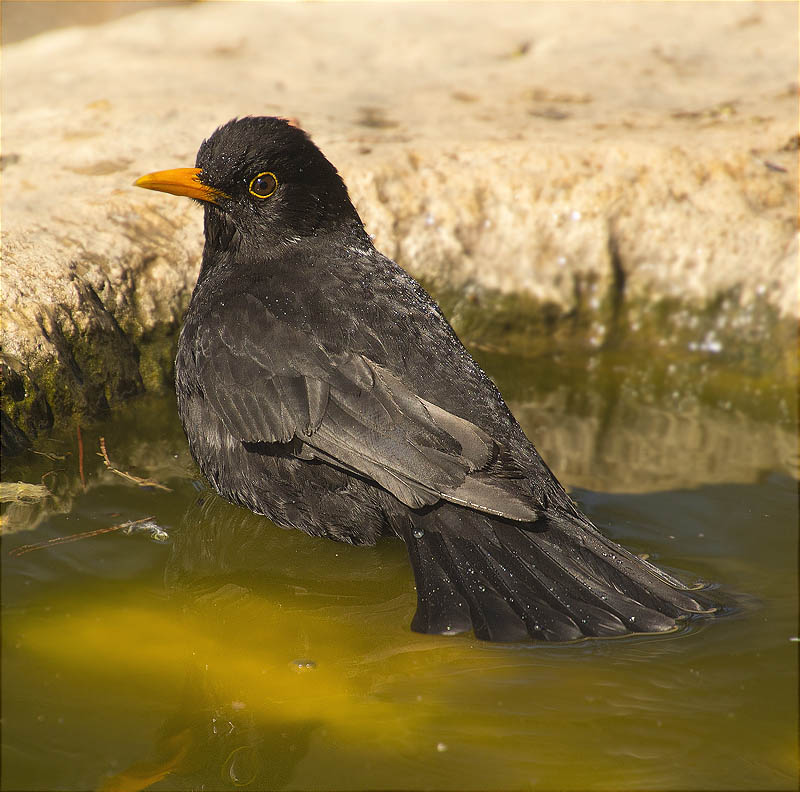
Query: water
233	654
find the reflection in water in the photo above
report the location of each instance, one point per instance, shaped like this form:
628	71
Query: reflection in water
171	751
211	744
246	715
274	660
639	447
218	542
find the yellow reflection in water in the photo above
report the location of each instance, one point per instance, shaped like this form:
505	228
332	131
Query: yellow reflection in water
270	681
245	655
280	661
246	650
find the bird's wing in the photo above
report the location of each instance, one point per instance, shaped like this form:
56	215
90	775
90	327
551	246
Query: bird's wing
270	382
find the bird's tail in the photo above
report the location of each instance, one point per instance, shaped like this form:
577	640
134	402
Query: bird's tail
558	579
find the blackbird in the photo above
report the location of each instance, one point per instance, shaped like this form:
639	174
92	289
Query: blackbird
320	385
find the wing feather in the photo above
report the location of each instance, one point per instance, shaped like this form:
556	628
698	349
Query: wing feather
348	411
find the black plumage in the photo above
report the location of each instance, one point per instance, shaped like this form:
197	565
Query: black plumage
321	386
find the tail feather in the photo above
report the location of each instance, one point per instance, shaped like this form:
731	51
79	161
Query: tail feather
595	602
630	575
535	597
606	557
579	545
493	617
441	608
556	580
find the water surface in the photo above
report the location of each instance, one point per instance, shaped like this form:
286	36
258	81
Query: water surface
236	654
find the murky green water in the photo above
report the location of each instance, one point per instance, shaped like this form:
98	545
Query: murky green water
240	655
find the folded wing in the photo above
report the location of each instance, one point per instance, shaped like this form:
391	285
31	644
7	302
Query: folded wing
350	412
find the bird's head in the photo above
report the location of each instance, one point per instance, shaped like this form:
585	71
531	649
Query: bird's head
264	183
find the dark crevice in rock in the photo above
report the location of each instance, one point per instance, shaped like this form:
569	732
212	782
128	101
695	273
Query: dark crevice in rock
12	439
24	406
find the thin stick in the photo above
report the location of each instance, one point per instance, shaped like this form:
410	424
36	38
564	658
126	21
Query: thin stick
50	473
18	551
80	458
53	457
142	482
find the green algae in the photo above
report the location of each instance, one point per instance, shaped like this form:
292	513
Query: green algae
157	358
740	357
724	354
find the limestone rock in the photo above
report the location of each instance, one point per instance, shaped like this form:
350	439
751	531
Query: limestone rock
644	152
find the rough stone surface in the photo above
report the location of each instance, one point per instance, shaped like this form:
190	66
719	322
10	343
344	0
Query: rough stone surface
570	153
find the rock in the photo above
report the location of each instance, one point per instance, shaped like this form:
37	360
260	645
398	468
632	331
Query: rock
630	160
12	439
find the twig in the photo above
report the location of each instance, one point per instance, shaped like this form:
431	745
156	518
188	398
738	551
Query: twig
53	457
142	482
18	551
80	458
50	473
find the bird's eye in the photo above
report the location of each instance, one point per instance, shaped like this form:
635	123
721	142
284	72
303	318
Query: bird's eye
263	185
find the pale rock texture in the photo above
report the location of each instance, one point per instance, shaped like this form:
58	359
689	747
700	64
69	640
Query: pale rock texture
571	155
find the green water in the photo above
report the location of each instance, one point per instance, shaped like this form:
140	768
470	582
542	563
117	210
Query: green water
239	655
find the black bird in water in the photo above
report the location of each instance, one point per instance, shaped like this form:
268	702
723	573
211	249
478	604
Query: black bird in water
321	386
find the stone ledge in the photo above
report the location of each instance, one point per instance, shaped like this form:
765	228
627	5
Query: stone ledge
522	153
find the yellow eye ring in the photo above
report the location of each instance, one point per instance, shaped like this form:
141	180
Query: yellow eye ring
263	185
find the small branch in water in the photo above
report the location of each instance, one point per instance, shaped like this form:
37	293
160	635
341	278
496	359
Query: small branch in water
18	551
53	457
50	473
80	458
142	482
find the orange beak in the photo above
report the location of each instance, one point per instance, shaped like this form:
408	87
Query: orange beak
180	181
